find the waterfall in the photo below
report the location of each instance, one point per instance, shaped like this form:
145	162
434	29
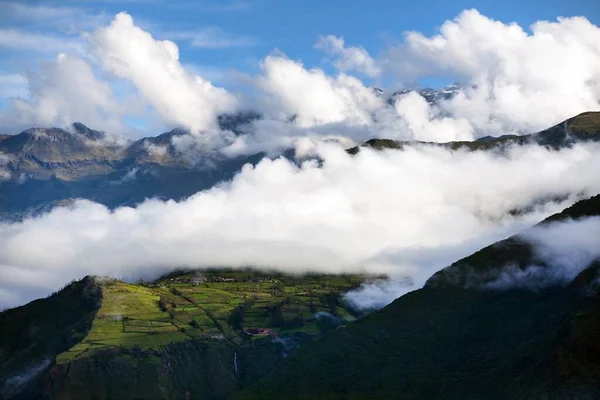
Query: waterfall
235	364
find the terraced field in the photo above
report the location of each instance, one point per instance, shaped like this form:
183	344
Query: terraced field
237	306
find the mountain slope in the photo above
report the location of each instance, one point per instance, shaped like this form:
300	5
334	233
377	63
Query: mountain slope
204	333
32	335
451	341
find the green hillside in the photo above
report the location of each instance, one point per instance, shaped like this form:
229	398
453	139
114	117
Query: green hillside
450	340
205	333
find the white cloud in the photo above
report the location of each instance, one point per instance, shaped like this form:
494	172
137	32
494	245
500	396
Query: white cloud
379	211
312	96
348	58
153	67
568	246
427	123
561	251
375	295
13	85
213	38
517	81
55	96
28	41
67	91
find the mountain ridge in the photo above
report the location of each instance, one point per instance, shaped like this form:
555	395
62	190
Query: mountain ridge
583	127
514	251
79	165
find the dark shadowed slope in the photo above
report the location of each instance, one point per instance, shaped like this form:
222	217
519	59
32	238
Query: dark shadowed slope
451	341
31	336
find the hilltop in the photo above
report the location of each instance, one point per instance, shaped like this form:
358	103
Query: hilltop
204	332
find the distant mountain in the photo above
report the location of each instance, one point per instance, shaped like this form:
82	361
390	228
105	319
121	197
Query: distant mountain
51	166
584	127
433	96
41	153
202	334
81	153
457	339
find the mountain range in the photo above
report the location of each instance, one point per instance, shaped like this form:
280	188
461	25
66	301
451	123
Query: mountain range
469	333
44	167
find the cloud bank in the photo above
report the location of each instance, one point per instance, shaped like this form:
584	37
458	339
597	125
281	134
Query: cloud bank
562	250
404	213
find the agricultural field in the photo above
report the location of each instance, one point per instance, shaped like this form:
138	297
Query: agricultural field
237	306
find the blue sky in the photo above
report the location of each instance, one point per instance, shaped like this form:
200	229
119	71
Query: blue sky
226	43
249	30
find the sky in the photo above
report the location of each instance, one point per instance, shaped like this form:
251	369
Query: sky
223	40
249	30
139	68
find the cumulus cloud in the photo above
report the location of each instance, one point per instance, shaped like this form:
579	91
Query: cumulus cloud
311	96
511	82
153	67
381	212
425	122
515	81
70	88
56	98
348	58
